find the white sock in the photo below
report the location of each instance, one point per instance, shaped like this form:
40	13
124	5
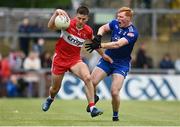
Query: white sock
91	108
51	98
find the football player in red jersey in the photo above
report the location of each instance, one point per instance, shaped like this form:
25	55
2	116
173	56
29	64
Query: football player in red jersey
67	56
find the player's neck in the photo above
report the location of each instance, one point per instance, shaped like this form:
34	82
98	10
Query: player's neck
129	24
79	27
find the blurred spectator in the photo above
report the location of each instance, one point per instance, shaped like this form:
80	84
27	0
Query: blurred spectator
32	62
39	46
166	62
149	62
133	61
24	41
141	58
1	75
36	28
5	68
46	60
12	58
0	64
5	72
16	59
38	42
22	87
177	65
12	87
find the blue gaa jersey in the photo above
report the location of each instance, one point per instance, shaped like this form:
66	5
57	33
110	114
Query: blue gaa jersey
122	55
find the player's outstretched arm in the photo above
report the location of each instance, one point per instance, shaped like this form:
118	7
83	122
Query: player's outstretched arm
113	45
103	29
51	21
96	41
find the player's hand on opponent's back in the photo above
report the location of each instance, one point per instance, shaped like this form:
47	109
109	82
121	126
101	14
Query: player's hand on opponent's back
107	58
95	45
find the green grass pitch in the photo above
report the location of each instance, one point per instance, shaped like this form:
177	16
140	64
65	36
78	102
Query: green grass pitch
27	112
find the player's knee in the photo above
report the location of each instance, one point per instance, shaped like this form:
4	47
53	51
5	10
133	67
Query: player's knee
87	78
54	89
95	82
114	93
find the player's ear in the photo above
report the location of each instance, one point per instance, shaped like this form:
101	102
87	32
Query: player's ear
87	18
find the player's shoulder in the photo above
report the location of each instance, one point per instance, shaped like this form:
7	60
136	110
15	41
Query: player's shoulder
73	21
87	28
131	33
132	29
114	24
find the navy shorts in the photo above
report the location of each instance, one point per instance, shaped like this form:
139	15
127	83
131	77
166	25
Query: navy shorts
115	67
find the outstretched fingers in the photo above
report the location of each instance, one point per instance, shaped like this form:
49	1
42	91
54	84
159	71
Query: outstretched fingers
90	50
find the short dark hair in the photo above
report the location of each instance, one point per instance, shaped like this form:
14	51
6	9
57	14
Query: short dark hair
83	10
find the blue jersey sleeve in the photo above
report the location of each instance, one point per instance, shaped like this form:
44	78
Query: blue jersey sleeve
131	36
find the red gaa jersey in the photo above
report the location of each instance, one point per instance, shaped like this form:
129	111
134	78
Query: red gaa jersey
71	40
68	46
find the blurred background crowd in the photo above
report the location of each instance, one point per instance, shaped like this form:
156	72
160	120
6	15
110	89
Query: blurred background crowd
26	45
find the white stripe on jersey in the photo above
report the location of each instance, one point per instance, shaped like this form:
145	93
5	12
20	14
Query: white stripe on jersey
72	40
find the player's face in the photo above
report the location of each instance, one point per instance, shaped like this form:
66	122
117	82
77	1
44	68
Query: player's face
123	19
81	20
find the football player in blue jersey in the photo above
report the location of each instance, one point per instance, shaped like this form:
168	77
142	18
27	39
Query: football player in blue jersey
123	38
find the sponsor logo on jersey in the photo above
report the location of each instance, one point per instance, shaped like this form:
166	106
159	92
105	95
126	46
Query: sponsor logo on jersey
130	34
73	40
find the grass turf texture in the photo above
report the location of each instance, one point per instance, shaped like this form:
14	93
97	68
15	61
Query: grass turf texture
27	112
